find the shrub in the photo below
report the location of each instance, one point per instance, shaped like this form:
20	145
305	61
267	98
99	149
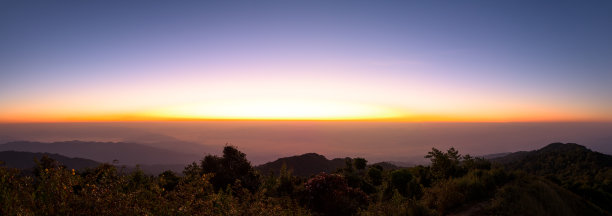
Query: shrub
329	194
232	167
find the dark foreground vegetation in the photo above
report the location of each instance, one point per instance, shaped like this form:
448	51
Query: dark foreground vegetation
560	179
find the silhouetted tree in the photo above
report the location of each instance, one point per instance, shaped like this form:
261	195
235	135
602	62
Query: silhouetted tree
329	194
168	180
471	163
348	168
360	163
400	179
375	175
46	163
192	170
444	165
232	168
285	182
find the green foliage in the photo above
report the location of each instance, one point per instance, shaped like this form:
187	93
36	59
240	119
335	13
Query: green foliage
12	195
449	194
445	165
472	163
228	185
537	196
286	183
304	166
360	163
232	168
329	194
348	168
397	205
375	175
422	175
402	181
104	191
451	164
168	180
574	167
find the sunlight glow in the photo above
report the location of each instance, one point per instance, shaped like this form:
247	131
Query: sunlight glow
279	110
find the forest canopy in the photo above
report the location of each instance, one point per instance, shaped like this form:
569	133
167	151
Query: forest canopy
560	179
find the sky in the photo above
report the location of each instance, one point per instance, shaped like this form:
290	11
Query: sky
468	61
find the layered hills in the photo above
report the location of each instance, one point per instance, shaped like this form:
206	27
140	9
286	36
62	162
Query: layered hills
118	152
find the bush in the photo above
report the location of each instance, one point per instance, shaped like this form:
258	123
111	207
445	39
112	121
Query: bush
229	169
329	194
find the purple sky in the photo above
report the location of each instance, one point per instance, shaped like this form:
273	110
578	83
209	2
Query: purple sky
409	60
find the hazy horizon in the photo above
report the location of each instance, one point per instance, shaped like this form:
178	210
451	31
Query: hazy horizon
385	80
264	141
140	89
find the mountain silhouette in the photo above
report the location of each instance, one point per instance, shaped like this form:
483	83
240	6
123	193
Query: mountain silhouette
574	167
26	160
567	156
310	164
303	165
120	152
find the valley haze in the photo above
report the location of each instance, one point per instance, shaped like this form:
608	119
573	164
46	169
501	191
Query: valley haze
265	141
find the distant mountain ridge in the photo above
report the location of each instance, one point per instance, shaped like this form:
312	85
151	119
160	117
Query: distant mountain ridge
302	165
26	160
575	167
561	162
495	155
573	153
124	153
309	164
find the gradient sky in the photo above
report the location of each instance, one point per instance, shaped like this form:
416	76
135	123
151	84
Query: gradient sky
397	60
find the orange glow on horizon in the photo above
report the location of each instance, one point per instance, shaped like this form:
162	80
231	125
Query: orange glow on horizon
271	109
147	117
288	110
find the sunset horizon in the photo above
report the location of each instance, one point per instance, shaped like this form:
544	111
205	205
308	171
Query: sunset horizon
397	61
306	107
295	110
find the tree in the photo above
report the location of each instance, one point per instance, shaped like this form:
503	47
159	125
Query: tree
400	179
471	163
329	194
375	175
360	163
168	180
285	182
445	165
231	169
46	163
348	168
192	170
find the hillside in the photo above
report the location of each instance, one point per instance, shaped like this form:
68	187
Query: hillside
561	162
462	187
310	164
303	165
531	195
124	153
25	160
574	167
389	165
